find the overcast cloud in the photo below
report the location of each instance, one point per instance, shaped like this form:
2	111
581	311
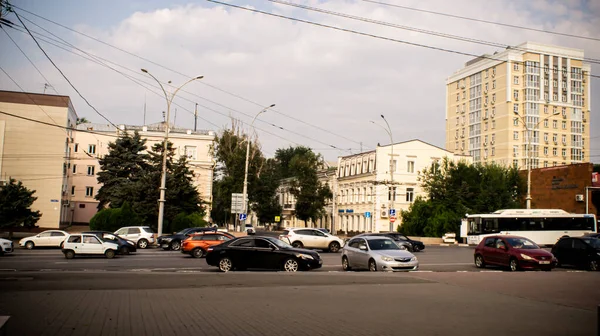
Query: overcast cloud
335	80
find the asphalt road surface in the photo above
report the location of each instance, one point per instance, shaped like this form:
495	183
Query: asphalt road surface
433	258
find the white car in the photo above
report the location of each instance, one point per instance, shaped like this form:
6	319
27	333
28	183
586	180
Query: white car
6	246
250	229
141	235
312	239
88	244
50	238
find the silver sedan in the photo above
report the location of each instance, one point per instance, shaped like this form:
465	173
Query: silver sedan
377	253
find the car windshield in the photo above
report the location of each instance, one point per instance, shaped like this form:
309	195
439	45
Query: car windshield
147	229
382	244
593	242
184	231
280	243
522	243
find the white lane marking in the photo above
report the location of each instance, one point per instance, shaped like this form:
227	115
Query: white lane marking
421	271
491	271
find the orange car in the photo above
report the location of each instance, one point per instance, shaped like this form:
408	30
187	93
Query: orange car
198	244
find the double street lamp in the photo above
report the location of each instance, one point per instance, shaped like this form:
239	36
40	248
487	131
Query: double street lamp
528	150
163	179
245	191
392	191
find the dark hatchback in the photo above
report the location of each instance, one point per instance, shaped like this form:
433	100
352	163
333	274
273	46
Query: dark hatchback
400	239
261	253
125	246
173	242
578	251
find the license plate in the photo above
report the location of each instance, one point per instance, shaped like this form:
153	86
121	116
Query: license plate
544	262
165	245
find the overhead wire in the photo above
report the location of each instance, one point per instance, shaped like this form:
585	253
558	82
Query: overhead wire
137	81
447	50
184	75
484	21
419	30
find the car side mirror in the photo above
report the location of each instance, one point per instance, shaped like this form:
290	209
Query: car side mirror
362	248
273	248
37	236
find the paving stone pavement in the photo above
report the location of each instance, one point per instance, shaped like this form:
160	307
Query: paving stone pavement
300	304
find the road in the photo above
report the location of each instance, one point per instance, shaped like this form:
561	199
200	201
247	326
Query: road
157	292
433	258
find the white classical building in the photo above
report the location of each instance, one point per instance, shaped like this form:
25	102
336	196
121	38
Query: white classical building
364	189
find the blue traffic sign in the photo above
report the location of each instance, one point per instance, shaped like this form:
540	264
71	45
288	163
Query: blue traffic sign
243	216
392	212
367	214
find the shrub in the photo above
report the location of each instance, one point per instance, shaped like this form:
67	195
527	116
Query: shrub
113	219
183	221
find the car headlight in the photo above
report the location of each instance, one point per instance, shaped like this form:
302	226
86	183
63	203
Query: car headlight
526	257
304	256
384	258
130	242
413	259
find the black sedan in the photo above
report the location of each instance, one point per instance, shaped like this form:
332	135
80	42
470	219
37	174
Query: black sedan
261	253
125	246
578	251
173	242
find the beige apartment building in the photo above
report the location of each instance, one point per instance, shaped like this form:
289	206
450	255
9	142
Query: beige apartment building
366	189
90	147
532	93
37	153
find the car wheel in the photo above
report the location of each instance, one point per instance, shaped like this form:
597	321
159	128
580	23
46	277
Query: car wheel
291	265
372	266
197	253
297	244
176	245
479	262
513	265
142	243
109	254
124	250
225	264
593	266
334	247
69	254
345	264
416	248
29	245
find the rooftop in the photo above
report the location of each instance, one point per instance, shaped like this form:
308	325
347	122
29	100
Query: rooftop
156	127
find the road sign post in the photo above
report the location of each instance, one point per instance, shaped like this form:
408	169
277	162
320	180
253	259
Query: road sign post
392	212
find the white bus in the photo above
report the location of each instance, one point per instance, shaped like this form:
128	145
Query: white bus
543	226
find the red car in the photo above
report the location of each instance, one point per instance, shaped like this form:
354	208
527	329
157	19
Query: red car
516	253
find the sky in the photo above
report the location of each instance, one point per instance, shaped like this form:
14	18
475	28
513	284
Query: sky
328	85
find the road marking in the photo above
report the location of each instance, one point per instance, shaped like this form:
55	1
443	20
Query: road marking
421	271
491	271
7	270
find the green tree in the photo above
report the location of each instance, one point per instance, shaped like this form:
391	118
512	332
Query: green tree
121	170
455	189
82	120
311	195
181	194
183	221
229	152
15	206
264	199
112	219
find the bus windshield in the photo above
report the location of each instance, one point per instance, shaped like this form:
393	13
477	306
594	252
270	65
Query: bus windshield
522	243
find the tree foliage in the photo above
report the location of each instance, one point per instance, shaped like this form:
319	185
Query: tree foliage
129	173
15	206
455	189
302	164
183	221
111	219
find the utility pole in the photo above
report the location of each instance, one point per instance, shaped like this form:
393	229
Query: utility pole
195	117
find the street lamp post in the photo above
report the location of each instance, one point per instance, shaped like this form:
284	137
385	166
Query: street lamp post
528	151
245	191
163	179
391	167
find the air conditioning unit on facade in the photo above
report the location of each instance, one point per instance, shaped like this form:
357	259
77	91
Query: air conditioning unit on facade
384	213
579	198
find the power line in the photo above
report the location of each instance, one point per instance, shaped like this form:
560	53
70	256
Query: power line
483	21
365	34
24	54
184	75
423	31
60	71
136	81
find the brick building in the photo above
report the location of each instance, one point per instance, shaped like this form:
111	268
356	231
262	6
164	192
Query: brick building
563	187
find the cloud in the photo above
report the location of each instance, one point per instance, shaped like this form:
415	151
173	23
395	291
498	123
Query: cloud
335	80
